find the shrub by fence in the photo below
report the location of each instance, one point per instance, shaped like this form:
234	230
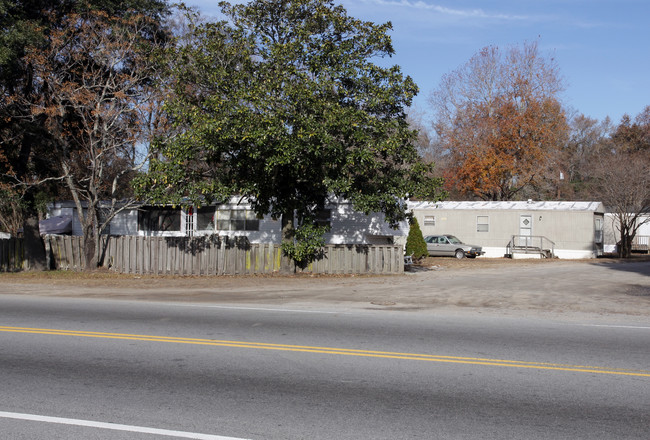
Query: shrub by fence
212	255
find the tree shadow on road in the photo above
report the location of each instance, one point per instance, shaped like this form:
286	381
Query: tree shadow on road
636	264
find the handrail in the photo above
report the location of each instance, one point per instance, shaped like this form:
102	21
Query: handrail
641	243
528	244
641	240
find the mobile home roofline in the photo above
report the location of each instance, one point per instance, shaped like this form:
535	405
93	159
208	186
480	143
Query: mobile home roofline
514	206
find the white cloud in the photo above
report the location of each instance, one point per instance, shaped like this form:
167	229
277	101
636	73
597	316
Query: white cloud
466	13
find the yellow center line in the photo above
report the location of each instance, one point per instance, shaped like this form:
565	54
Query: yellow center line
333	351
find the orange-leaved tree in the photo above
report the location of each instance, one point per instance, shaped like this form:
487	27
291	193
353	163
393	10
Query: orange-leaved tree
500	120
94	93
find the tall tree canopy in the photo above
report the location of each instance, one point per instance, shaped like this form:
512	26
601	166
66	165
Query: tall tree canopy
283	104
499	118
27	26
76	98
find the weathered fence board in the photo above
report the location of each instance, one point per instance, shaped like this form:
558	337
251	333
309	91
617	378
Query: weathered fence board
214	256
12	255
201	256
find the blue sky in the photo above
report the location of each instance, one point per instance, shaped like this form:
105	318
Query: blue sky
602	47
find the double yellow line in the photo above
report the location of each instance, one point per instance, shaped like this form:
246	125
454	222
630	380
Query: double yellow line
333	351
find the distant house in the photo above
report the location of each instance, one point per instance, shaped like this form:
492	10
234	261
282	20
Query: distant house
641	242
527	229
235	219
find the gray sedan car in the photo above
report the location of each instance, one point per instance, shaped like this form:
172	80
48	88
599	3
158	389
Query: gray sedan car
448	245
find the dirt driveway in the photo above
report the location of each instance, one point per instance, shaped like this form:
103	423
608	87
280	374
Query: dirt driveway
511	287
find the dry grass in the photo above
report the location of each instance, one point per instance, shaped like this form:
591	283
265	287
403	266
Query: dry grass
107	278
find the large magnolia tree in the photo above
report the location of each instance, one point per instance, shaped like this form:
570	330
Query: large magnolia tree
499	120
284	105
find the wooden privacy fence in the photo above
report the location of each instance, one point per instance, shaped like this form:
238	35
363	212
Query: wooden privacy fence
12	255
212	255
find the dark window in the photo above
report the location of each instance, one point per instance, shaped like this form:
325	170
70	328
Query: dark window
238	220
324	217
159	219
205	219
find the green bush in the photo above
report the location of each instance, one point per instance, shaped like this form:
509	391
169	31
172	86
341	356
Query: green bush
415	244
308	244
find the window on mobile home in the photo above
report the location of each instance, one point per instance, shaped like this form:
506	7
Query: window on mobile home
482	223
324	217
159	219
205	219
237	220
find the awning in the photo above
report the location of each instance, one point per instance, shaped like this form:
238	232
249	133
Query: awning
61	224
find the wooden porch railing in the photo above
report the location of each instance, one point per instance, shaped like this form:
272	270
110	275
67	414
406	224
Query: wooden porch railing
531	244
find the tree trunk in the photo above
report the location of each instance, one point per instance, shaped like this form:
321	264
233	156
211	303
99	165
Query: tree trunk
625	246
288	232
34	248
90	249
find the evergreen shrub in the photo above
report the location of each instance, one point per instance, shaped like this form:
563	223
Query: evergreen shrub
415	244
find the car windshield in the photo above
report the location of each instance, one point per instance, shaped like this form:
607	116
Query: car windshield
453	239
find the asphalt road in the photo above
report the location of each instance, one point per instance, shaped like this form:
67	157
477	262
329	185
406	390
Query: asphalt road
96	369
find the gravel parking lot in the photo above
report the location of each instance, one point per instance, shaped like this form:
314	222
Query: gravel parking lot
557	287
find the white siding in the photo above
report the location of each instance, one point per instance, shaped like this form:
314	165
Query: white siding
76	225
570	225
352	227
347	225
59	211
269	232
125	223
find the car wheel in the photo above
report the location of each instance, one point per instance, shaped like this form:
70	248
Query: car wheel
460	254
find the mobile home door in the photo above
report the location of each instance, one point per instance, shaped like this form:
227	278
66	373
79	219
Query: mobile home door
525	230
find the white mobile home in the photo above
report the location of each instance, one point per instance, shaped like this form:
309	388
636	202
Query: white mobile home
236	219
527	229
